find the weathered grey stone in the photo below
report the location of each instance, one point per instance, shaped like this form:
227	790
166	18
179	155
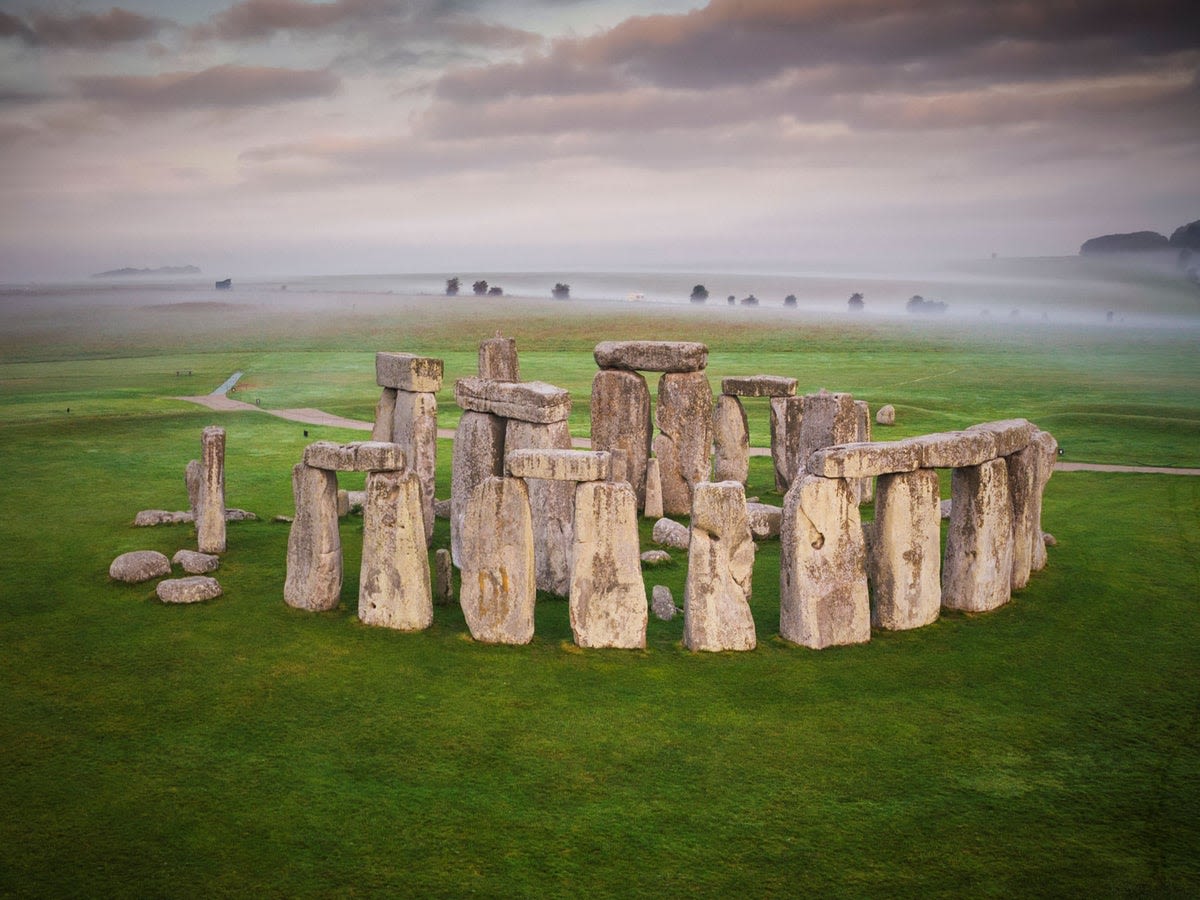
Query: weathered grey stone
652	356
608	596
828	419
684	442
552	502
759	386
394	590
359	456
670	533
1022	490
233	514
442	508
498	588
866	485
765	520
415	432
193	589
343	502
314	554
1049	540
193	475
357	500
619	470
478	454
904	551
662	603
823	598
863	460
148	518
196	563
559	465
138	566
283	520
731	440
655	558
946	507
977	572
652	507
443	578
885	415
716	614
210	506
953	449
385	416
406	372
1047	456
498	359
787	415
527	401
1011	435
620	411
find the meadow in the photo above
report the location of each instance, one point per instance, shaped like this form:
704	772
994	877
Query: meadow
241	747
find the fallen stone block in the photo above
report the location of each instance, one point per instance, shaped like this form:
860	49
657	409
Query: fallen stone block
559	465
652	356
885	415
406	372
193	589
148	518
526	401
765	520
138	566
655	558
196	563
670	533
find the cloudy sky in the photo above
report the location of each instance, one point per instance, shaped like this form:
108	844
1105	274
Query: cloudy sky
281	136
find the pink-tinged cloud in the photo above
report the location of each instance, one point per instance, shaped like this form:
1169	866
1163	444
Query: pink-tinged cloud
81	30
221	87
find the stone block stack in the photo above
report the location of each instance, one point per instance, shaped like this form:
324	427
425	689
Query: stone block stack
731	434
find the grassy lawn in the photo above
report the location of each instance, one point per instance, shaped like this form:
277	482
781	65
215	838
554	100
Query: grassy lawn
243	747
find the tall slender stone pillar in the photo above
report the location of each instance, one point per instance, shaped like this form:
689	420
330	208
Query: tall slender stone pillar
210	511
684	443
731	440
415	429
620	413
478	454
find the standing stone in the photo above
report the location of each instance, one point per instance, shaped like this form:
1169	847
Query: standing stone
443	578
608	596
343	498
314	554
787	415
193	475
1022	489
210	510
498	589
652	508
415	430
1047	455
977	573
498	359
731	440
662	604
385	416
904	553
684	442
552	502
621	421
823	598
478	454
828	419
862	434
716	614
394	580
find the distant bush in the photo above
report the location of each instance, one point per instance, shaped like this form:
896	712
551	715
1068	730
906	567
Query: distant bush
495	291
749	300
561	291
480	288
789	300
918	304
699	294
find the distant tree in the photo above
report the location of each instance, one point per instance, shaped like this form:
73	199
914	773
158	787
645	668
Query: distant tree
855	303
561	291
789	300
750	300
918	304
495	291
480	288
699	294
451	287
731	299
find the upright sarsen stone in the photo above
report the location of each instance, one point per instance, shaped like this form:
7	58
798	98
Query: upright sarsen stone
314	553
652	507
415	431
828	419
621	421
478	454
498	589
608	595
385	416
210	509
823	598
787	415
904	553
193	475
1023	489
552	502
498	359
394	589
716	612
1047	455
684	442
731	440
977	572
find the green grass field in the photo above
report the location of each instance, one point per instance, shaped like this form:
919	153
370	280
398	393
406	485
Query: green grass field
241	747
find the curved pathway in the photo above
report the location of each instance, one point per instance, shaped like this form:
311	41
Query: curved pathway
219	401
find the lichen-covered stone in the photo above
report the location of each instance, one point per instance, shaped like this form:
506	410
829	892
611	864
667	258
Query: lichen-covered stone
193	589
864	460
498	359
977	571
608	596
314	552
394	590
787	415
866	486
498	587
670	533
210	506
828	419
823	598
527	401
559	464
415	432
478	454
1011	435
656	558
885	415
193	474
1022	488
620	411
358	456
385	416
765	520
148	518
662	603
1047	456
552	502
684	442
406	372
953	449
196	563
716	612
652	506
759	386
904	551
652	356
443	578
138	566
731	440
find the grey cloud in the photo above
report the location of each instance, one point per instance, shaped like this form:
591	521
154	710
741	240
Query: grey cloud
221	87
81	30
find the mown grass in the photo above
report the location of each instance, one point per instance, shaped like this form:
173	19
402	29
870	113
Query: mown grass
241	747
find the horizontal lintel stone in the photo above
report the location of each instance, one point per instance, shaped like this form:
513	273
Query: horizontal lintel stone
758	386
1012	435
652	356
865	459
527	401
560	465
406	372
360	456
954	449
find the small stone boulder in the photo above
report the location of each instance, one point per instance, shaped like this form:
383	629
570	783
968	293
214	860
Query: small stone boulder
193	589
663	604
670	533
148	518
138	566
656	558
885	415
1049	540
196	563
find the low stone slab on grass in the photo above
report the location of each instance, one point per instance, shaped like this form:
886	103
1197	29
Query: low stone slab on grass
195	563
193	589
148	518
138	566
